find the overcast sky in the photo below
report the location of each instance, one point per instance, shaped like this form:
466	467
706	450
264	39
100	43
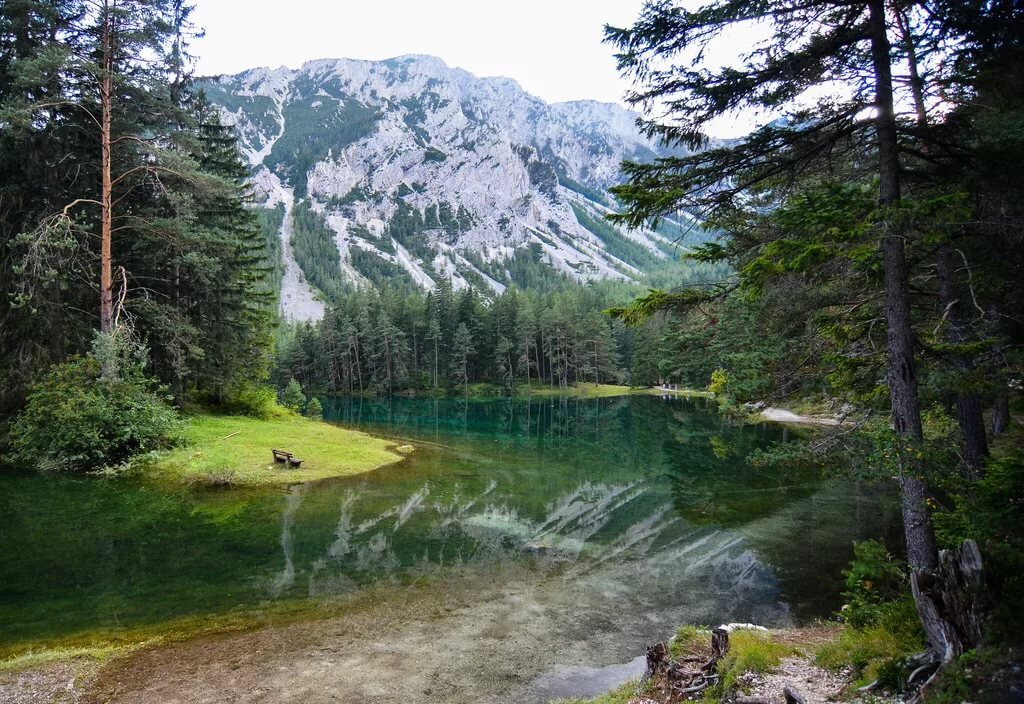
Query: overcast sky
551	47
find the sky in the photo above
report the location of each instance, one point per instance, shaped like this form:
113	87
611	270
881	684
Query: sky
552	48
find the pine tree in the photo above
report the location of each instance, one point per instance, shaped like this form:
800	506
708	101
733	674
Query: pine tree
293	398
462	352
314	410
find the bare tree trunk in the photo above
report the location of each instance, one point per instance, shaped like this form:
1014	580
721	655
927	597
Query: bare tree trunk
106	199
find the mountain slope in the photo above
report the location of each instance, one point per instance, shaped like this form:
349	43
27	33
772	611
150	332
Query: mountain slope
418	171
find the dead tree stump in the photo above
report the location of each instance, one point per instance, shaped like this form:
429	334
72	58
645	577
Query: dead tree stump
949	601
793	696
658	660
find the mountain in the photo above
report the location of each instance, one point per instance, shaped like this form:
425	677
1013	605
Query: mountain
409	170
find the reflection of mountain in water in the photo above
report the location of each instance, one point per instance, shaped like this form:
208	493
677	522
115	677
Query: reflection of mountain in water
588	535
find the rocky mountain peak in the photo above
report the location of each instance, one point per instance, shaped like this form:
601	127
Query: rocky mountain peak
416	170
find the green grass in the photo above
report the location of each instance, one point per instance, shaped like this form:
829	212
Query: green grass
750	651
690	640
872	652
61	654
235	450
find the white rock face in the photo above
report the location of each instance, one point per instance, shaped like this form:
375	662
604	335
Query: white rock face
490	170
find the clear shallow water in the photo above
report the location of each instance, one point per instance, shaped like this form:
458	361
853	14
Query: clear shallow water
640	508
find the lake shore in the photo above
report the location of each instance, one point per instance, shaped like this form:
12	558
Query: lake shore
782	415
236	451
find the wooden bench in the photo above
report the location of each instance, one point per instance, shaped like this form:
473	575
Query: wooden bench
280	456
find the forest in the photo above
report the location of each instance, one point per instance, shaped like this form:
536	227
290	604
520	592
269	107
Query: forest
136	280
389	341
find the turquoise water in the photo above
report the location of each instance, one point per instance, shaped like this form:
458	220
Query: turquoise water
641	493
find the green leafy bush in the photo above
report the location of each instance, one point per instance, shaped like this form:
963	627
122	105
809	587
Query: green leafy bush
719	382
79	418
991	512
875	580
882	623
253	400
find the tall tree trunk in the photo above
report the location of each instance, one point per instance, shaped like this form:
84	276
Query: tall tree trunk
106	199
968	406
906	413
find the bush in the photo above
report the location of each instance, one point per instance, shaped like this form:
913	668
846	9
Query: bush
875	580
719	382
882	626
314	411
876	652
991	512
77	420
253	400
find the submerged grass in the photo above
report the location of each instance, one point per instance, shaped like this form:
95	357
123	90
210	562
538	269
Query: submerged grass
622	695
235	450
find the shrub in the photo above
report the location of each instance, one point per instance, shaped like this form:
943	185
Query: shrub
877	652
874	580
991	511
882	626
719	382
78	419
253	400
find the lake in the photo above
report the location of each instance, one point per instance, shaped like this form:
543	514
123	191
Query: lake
626	516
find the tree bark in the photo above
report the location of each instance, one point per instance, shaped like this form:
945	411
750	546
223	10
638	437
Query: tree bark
1001	414
106	199
906	413
968	405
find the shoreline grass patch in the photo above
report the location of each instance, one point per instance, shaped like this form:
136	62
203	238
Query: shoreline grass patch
236	451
